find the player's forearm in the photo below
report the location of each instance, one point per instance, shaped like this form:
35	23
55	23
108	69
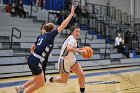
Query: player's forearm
67	20
65	23
32	48
75	50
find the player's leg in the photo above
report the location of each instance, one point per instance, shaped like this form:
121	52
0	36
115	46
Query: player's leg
63	78
37	83
26	85
38	76
33	84
81	76
44	65
64	70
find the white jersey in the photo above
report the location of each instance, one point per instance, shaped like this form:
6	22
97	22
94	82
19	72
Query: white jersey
67	59
117	41
72	41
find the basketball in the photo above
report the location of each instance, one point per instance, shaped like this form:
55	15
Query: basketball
89	52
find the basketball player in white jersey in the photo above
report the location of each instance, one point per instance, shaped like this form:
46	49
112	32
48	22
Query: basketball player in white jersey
67	61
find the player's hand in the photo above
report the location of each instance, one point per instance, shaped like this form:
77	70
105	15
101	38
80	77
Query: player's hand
72	10
82	51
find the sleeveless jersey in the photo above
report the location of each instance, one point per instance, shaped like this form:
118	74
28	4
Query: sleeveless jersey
72	41
45	42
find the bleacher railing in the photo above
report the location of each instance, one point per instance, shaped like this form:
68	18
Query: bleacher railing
85	39
12	35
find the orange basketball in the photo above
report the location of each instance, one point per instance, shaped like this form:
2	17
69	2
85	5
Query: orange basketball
89	52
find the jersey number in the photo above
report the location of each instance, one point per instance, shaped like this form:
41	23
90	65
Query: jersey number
39	41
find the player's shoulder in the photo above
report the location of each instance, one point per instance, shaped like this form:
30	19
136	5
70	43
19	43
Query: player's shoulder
55	30
71	39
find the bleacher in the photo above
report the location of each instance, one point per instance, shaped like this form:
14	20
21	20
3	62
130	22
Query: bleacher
13	61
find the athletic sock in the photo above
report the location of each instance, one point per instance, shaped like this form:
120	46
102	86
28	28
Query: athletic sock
82	89
51	79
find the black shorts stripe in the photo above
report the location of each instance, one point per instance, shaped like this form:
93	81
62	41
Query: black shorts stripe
61	67
74	64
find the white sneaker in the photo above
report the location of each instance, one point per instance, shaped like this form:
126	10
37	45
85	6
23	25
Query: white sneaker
48	79
19	89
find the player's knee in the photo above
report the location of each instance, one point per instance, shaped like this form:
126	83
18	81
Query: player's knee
82	75
41	84
64	81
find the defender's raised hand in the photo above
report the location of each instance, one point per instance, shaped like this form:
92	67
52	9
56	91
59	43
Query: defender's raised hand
72	10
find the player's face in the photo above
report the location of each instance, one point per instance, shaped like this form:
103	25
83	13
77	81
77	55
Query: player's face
43	31
119	35
76	33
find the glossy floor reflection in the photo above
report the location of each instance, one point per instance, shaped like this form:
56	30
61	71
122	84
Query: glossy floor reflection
117	80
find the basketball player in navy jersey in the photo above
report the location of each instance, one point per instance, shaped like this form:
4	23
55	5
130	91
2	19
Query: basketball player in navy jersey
44	63
67	61
44	45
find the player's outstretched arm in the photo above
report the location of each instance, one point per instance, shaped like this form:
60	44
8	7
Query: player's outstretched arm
67	20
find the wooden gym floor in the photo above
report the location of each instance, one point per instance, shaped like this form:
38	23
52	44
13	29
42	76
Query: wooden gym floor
115	80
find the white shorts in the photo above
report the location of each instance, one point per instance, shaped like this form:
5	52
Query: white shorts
65	64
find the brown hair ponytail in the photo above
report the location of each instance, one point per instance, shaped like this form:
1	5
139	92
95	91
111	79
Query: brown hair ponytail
48	27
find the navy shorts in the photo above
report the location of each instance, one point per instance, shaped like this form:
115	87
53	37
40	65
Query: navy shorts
35	65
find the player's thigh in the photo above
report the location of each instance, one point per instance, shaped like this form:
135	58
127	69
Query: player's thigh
39	78
77	69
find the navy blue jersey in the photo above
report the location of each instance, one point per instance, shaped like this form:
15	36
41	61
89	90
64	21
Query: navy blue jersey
45	42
